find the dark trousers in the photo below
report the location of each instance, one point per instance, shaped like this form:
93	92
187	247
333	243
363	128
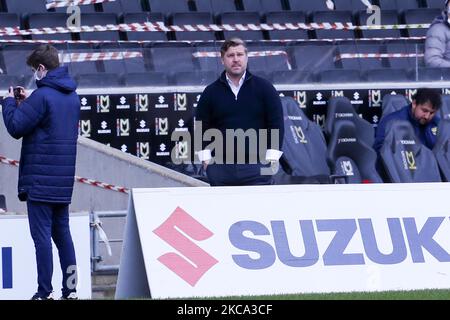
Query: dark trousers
237	175
51	221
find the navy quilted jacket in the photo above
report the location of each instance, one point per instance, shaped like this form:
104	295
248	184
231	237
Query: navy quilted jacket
48	123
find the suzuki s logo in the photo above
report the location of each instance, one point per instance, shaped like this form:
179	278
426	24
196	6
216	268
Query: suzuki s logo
191	262
103	104
85	128
180	102
141	102
123	127
6	267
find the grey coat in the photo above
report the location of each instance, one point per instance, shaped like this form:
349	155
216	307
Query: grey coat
437	45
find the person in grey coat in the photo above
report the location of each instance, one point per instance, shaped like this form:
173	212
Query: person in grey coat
437	45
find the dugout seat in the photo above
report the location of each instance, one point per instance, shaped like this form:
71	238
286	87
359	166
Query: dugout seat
10	20
304	147
286	17
241	18
388	17
125	6
404	158
340	109
392	103
262	5
420	16
441	149
49	20
169	6
91	19
332	17
141	18
351	160
215	6
193	18
398	5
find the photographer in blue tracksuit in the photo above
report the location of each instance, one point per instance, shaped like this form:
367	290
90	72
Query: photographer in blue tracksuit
47	121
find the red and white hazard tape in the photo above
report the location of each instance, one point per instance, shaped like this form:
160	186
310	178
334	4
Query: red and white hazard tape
205	41
68	3
161	27
377	55
91	182
98	56
251	54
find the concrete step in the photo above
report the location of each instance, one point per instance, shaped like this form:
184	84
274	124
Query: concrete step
104	286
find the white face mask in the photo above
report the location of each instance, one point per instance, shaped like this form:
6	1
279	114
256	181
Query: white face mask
39	75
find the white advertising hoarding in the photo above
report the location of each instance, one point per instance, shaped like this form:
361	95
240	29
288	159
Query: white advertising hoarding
209	242
18	273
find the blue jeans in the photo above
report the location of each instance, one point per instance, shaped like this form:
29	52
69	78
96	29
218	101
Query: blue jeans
51	221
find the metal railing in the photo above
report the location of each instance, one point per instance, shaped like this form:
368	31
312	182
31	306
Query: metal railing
98	236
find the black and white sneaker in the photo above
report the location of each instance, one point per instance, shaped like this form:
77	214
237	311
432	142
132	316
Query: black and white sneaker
70	296
38	296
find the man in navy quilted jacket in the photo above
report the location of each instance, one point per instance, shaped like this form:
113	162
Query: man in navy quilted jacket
47	120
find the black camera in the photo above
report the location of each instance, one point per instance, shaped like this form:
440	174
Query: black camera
17	93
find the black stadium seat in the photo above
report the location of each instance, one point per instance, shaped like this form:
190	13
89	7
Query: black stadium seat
243	18
287	17
398	4
124	6
441	149
10	20
91	19
405	159
25	6
314	57
50	20
215	6
332	17
141	18
307	6
193	18
392	103
340	109
304	147
212	63
420	16
262	5
387	17
436	4
351	5
172	59
350	157
169	6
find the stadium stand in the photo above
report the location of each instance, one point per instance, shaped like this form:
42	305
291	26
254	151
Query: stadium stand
52	20
350	157
10	20
398	5
333	16
192	18
404	158
169	6
215	6
25	6
262	5
245	18
125	6
421	15
141	17
286	17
